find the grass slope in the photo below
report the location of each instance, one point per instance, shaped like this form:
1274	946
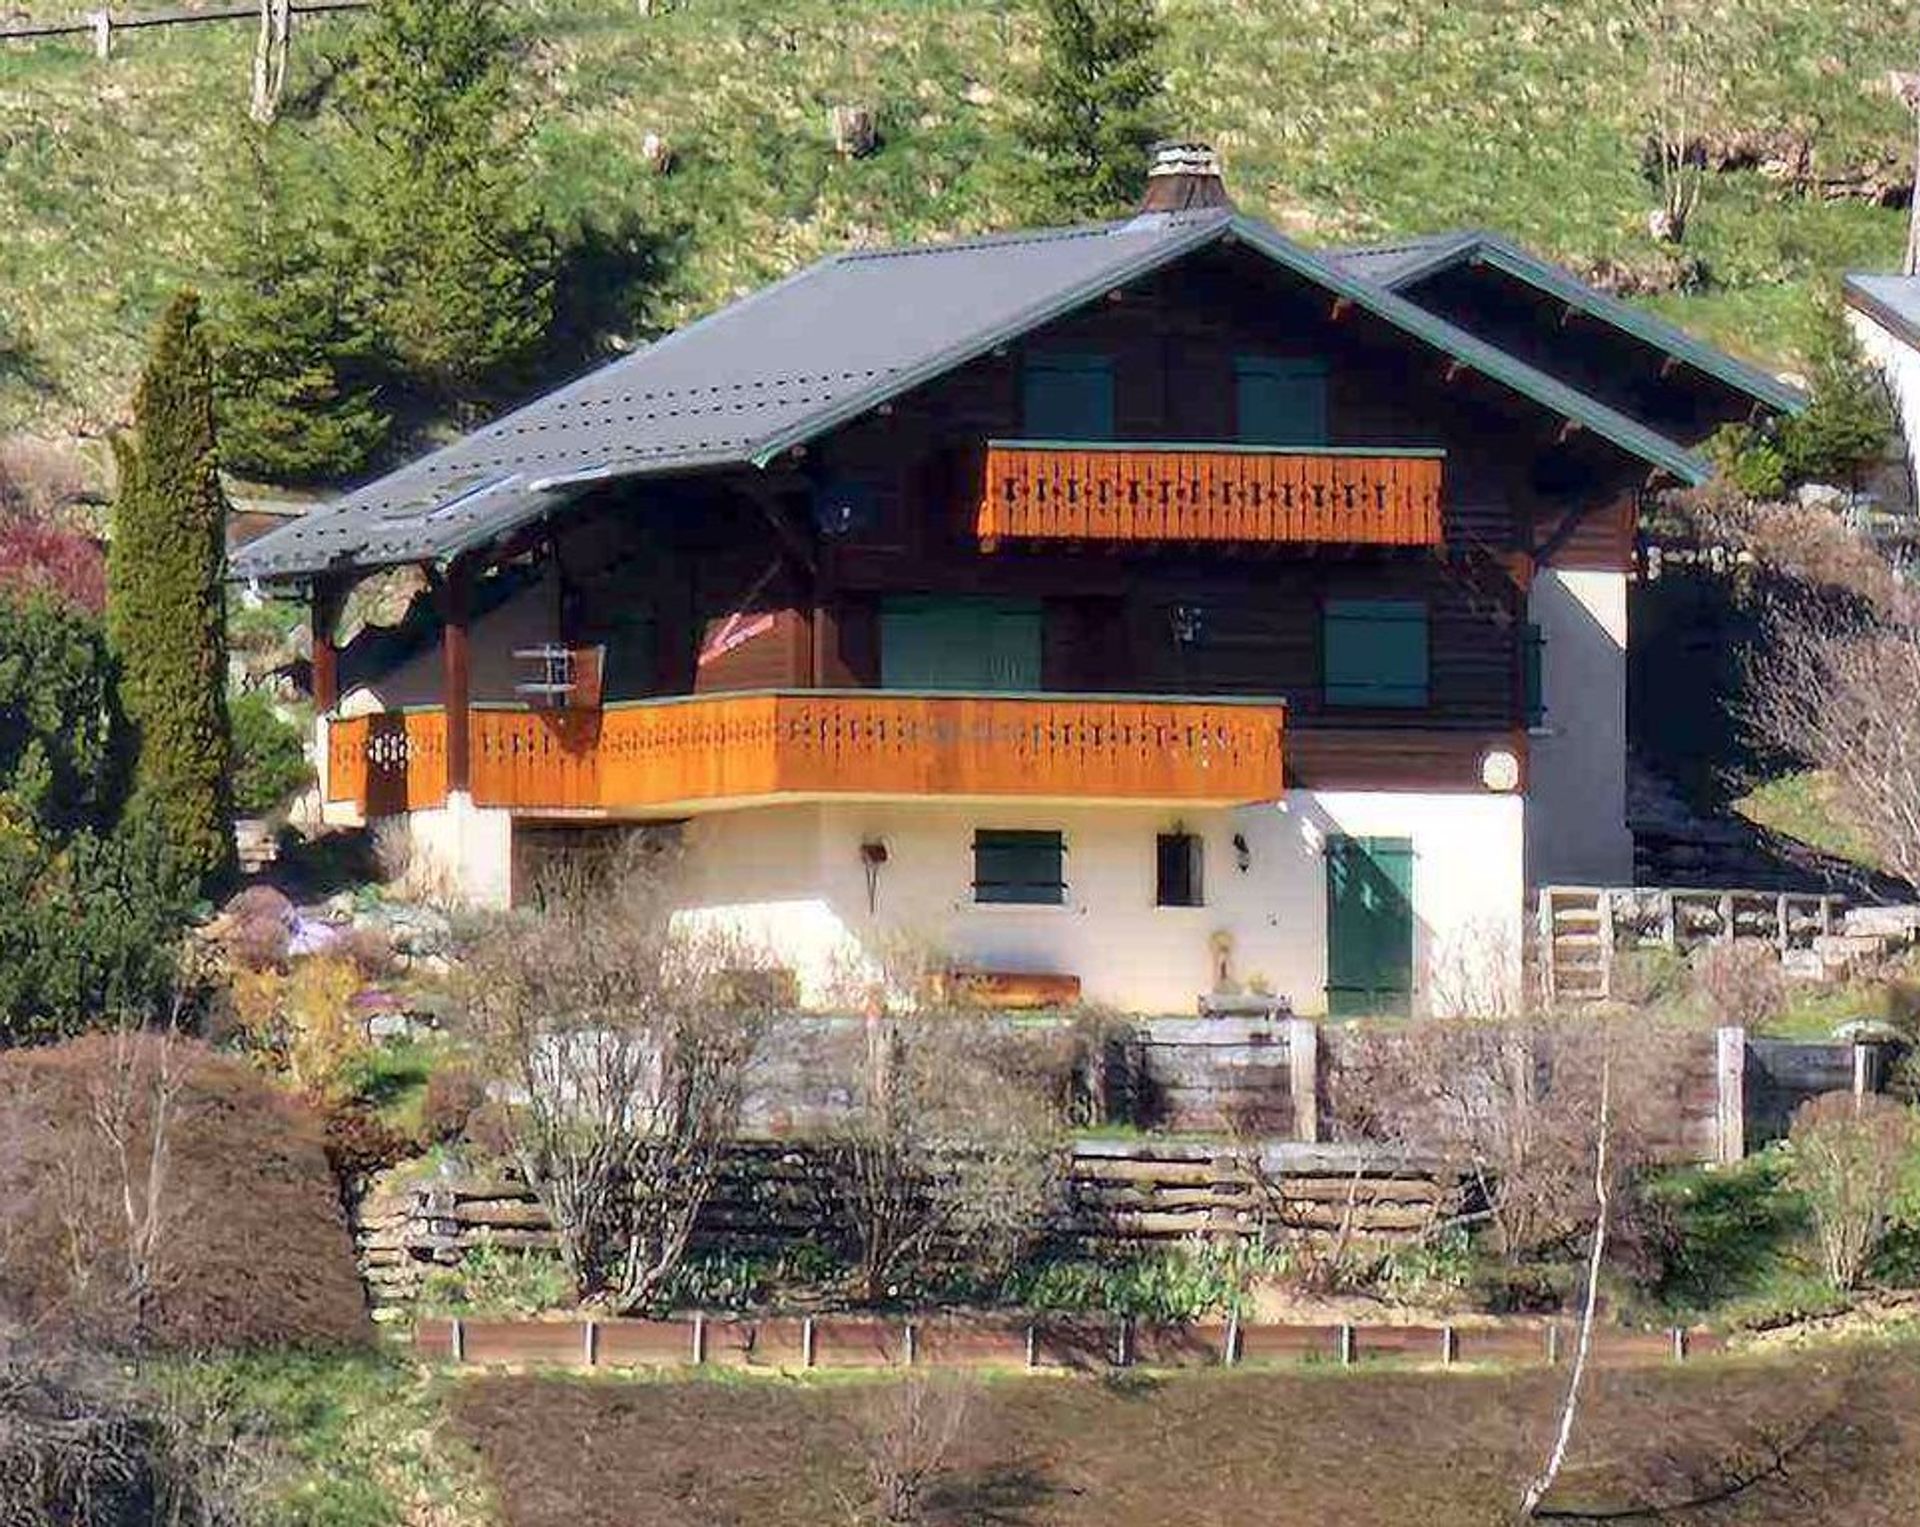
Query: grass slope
1340	119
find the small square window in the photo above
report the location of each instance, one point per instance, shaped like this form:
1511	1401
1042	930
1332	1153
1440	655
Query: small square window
1177	870
1019	868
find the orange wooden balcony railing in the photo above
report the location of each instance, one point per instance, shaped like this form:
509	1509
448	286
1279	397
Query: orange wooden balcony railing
1062	492
745	747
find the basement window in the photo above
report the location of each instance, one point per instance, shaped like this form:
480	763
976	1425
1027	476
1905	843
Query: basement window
1019	868
1177	870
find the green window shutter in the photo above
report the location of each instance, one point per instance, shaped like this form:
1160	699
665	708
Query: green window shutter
1369	926
1280	402
940	643
1533	646
1376	652
1068	397
1020	868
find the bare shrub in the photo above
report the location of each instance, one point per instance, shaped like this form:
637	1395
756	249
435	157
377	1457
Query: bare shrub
909	1429
42	480
79	1445
954	1145
1511	1109
1854	1158
454	1094
1839	689
393	849
1738	985
624	1043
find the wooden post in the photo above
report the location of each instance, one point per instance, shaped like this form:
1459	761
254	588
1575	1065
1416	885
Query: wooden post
1679	1335
1669	921
457	1339
456	673
590	1343
912	1344
1231	1355
323	614
1449	1346
102	23
806	1342
1730	1094
1553	1344
1346	1344
699	1340
1033	1345
1726	918
1303	1077
1784	913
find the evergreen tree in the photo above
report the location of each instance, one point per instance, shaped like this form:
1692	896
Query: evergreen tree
1095	109
458	261
165	617
297	363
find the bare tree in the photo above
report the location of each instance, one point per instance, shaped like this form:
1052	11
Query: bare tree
270	51
1839	689
623	1043
1674	109
953	1139
909	1428
1853	1159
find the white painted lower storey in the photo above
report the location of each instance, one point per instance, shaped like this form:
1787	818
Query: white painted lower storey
792	880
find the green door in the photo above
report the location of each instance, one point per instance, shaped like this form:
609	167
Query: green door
1369	926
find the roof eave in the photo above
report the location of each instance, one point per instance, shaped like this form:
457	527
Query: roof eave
1489	360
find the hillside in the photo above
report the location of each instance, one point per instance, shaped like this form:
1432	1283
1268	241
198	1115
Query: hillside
1339	119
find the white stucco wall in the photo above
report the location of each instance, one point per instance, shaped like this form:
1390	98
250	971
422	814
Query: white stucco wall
1577	771
460	852
1899	363
792	879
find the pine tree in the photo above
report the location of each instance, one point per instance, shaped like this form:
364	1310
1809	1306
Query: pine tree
164	602
297	363
458	258
1096	107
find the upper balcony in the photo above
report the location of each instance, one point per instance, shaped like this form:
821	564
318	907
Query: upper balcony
694	752
1126	493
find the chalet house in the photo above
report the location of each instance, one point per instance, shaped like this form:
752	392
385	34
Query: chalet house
1884	314
1158	605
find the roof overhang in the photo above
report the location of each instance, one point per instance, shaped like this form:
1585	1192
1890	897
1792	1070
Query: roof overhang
1902	325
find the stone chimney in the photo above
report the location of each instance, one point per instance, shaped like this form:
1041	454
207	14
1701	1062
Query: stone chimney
1184	177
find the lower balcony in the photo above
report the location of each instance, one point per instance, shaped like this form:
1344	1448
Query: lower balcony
687	752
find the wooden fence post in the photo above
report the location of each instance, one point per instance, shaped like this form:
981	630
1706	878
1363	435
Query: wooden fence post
590	1343
1346	1344
457	1339
699	1340
102	23
1449	1346
912	1344
806	1342
1553	1344
1679	1335
1730	1094
1033	1345
1303	1077
1231	1355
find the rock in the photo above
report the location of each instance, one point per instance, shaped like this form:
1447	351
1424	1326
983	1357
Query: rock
1820	495
1803	965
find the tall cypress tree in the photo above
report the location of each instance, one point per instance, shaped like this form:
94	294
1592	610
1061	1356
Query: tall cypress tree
1095	108
164	599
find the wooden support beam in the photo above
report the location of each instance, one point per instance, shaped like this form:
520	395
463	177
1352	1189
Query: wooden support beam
1455	369
323	612
1341	307
455	589
1568	429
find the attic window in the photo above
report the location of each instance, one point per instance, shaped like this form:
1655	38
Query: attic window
1068	397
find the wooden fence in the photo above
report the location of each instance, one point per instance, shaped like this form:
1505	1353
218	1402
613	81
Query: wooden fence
786	1344
100	25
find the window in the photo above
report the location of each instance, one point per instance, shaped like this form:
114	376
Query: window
1068	397
1375	652
1533	645
939	643
1280	401
1021	868
1177	860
